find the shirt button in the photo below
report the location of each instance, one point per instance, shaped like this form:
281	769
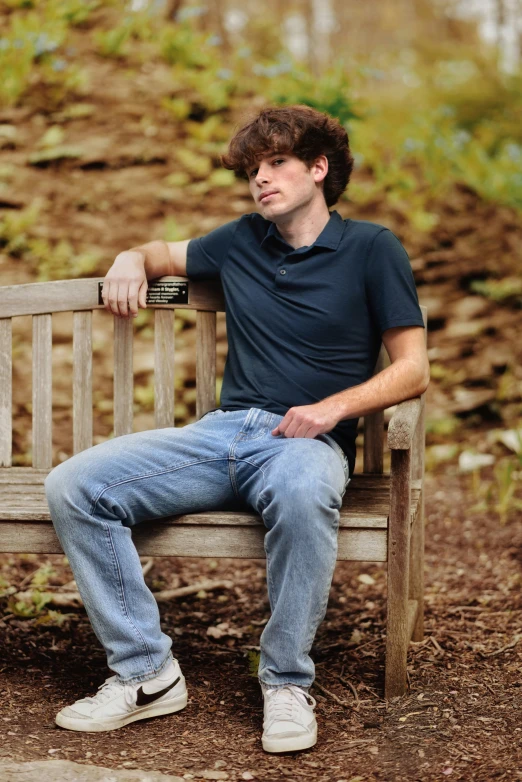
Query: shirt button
282	271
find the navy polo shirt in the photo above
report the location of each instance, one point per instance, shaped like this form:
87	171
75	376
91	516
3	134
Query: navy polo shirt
305	324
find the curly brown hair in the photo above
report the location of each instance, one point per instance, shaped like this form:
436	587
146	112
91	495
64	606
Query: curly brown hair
297	130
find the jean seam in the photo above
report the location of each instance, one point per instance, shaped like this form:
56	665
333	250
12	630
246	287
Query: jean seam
141	476
123	603
321	611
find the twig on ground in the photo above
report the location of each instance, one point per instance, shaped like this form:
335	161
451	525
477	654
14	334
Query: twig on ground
502	649
74	600
147	565
348	684
27	578
66	600
332	695
207	586
436	644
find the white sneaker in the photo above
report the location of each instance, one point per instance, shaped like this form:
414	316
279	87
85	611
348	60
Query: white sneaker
116	703
289	721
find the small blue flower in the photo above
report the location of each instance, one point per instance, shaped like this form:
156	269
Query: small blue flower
224	73
514	151
189	13
410	144
59	65
44	44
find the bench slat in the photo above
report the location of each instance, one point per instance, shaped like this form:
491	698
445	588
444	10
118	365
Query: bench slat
6	392
163	539
359	482
36	298
373	461
205	362
361	508
123	376
42	391
82	381
164	368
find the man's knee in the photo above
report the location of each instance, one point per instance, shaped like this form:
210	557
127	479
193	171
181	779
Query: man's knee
62	484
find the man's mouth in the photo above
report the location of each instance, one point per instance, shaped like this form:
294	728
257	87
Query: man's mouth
267	195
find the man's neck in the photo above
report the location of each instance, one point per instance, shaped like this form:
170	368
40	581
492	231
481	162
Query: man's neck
301	230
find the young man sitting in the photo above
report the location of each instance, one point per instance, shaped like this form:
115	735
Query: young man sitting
309	297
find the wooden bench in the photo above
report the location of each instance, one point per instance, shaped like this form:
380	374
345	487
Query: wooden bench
382	516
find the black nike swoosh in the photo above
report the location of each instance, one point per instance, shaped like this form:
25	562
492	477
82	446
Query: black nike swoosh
143	698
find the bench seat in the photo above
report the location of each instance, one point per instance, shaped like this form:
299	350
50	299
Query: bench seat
363	529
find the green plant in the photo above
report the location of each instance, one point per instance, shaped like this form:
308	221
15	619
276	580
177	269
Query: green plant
498	290
253	661
31	58
60	261
331	92
505	486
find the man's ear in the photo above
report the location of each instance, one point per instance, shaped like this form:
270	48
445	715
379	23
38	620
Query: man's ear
320	168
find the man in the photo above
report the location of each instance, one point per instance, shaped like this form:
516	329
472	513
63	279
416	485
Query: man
309	296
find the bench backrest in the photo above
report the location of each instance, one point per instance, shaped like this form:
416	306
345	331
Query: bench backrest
41	300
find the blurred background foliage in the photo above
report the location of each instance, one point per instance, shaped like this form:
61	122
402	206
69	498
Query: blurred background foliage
424	97
430	92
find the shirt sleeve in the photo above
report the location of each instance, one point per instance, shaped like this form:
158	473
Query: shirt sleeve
390	286
206	256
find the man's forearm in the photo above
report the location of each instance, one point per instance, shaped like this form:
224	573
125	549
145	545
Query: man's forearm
402	380
157	259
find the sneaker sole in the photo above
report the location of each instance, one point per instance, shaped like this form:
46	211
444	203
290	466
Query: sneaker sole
97	726
289	743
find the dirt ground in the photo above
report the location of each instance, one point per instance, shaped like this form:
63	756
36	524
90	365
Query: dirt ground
460	719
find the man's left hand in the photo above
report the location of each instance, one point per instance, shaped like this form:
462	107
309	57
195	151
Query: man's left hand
308	421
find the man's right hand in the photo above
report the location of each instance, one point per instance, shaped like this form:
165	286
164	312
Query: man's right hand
125	285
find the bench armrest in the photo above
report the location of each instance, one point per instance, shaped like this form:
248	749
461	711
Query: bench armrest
403	424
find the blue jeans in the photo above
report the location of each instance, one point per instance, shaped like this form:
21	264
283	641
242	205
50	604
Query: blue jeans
226	460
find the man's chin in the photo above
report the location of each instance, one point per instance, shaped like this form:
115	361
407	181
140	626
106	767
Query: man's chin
271	211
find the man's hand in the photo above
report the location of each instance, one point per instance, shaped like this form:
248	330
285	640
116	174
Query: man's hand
125	285
308	420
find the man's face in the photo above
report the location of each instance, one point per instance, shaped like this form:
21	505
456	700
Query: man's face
282	183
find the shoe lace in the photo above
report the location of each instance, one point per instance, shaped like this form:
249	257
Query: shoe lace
282	702
110	687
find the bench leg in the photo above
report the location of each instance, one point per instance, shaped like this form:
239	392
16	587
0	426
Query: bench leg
417	570
397	631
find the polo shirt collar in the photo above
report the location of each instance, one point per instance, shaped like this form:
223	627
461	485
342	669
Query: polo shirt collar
329	237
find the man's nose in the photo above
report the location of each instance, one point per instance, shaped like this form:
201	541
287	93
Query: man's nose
262	175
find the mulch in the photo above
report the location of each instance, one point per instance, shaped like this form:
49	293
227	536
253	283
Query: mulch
460	719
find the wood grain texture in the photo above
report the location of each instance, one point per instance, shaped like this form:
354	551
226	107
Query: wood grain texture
373	449
205	362
416	590
397	637
412	613
401	428
82	381
42	391
160	539
6	392
123	376
164	368
36	298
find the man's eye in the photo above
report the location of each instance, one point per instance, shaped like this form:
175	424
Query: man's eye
279	160
253	173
